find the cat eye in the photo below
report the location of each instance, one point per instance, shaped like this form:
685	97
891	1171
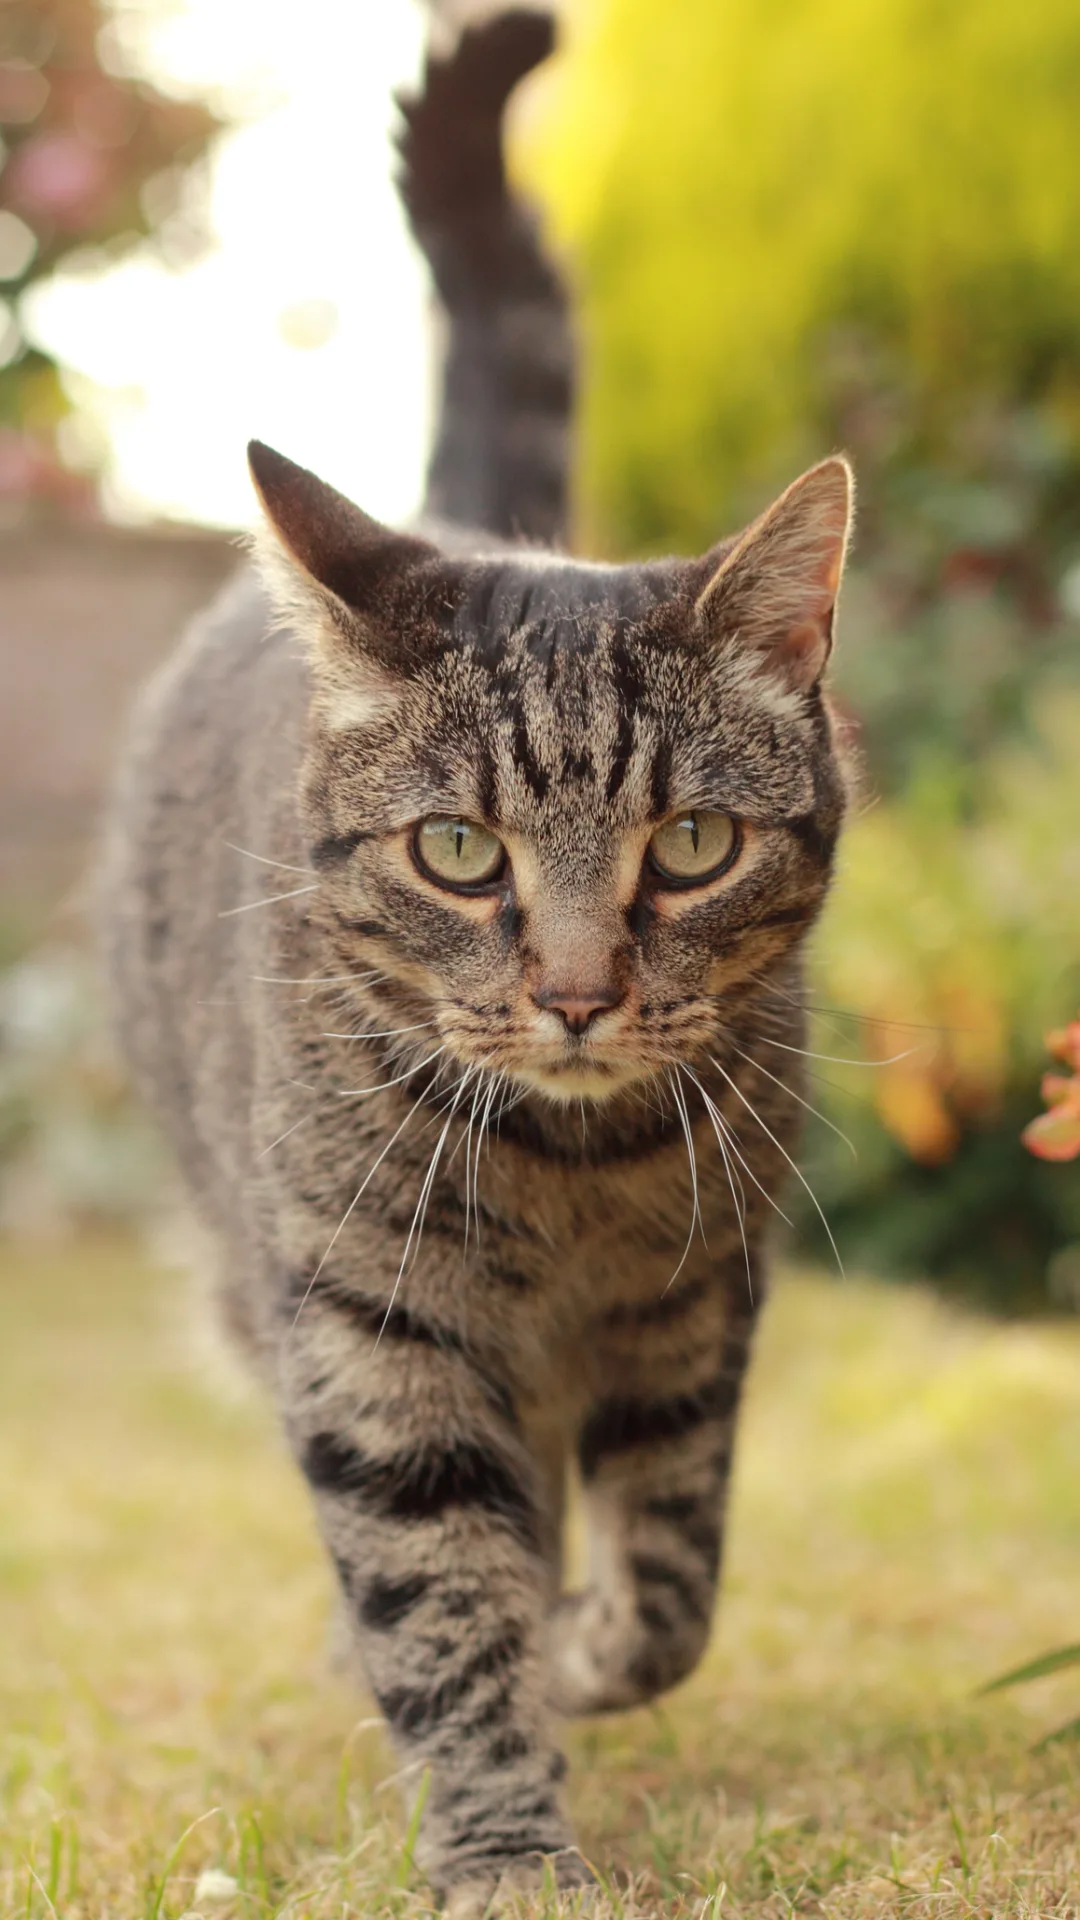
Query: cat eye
458	853
694	847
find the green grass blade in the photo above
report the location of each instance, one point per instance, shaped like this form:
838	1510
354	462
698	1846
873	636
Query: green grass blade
1035	1669
56	1861
407	1851
1070	1731
154	1910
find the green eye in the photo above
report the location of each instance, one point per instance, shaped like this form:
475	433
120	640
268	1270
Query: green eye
694	847
458	853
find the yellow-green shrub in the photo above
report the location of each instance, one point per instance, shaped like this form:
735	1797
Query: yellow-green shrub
739	182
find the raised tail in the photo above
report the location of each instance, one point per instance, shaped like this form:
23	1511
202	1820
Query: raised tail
500	460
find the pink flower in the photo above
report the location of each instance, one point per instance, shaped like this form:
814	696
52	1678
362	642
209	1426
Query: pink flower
58	178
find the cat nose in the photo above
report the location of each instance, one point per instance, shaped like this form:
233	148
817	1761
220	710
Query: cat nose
578	1007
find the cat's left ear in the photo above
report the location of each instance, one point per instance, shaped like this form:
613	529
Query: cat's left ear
775	590
354	587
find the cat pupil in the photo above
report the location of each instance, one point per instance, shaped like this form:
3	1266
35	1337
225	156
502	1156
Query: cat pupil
693	825
460	832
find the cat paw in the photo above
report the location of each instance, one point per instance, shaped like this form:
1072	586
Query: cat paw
588	1671
493	1887
600	1661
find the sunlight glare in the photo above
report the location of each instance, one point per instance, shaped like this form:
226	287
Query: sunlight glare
306	324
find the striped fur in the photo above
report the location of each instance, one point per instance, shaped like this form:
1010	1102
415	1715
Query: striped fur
500	456
327	1036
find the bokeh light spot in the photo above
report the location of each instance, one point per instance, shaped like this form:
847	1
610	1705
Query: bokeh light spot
17	245
308	324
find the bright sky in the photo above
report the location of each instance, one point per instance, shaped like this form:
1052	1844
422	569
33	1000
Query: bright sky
187	366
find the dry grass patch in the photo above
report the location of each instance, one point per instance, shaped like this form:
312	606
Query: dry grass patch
905	1526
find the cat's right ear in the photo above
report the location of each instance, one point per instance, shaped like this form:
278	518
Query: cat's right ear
353	589
774	591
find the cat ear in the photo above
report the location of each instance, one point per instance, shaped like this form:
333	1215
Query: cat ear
777	587
351	586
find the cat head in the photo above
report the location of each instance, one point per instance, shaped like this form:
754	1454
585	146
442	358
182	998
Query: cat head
576	813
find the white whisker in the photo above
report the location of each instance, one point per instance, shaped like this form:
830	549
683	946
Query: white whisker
866	1019
695	1212
738	1199
250	905
752	1111
721	1124
420	1210
354	1202
511	1096
641	1089
283	1136
389	1033
499	1083
318	979
286	866
485	1116
356	1093
477	1096
839	1059
818	1115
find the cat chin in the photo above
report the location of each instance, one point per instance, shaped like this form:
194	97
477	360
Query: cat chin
567	1087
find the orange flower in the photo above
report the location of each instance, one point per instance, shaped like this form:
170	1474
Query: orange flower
1055	1135
1064	1044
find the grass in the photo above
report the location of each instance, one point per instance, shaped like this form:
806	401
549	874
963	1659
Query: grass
905	1526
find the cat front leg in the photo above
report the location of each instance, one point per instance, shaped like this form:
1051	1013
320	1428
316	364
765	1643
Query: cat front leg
431	1507
655	1463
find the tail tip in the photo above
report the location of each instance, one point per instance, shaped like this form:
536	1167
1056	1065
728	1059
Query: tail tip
507	41
450	136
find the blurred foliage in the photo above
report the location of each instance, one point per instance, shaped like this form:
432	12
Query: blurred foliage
746	185
91	160
952	941
797	224
953	936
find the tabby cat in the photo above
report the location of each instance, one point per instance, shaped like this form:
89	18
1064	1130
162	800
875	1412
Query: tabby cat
456	893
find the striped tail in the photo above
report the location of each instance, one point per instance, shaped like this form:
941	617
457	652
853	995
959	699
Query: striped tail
501	453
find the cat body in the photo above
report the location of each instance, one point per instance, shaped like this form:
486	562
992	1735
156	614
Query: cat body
488	1153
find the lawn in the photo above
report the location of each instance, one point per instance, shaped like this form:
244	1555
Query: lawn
906	1524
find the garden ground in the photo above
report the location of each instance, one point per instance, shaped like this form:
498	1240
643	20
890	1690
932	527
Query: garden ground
906	1524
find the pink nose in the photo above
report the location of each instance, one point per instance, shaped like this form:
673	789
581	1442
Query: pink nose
578	1009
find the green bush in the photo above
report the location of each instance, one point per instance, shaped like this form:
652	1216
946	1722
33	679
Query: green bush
740	184
953	940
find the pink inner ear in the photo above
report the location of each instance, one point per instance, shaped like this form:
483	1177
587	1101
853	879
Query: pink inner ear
829	575
819	598
805	646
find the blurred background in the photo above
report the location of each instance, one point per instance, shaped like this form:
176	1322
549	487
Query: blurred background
790	226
